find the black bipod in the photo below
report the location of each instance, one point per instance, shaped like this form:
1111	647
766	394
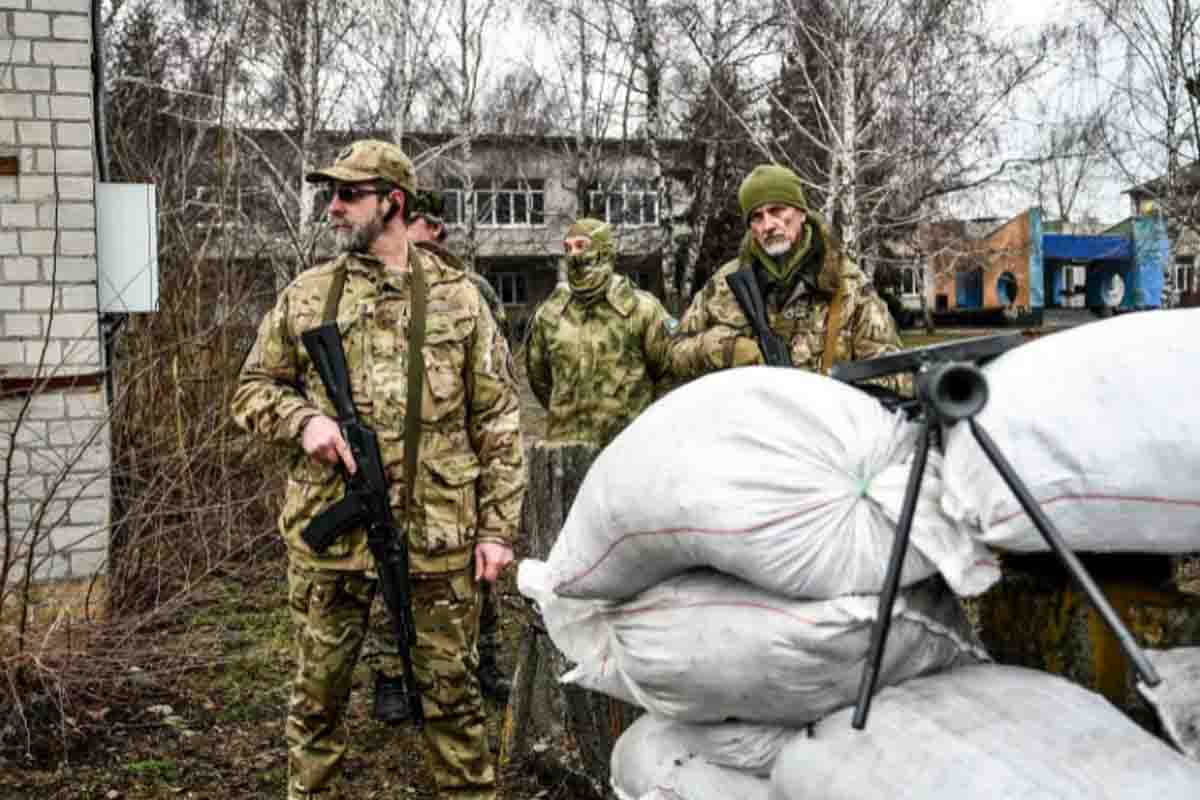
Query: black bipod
951	388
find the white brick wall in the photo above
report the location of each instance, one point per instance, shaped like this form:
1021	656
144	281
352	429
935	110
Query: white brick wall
49	324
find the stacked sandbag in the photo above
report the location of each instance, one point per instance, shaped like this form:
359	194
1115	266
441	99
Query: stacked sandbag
704	646
987	732
788	480
1092	421
659	758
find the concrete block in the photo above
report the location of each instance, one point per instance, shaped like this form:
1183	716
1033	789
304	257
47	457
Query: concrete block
63	54
76	188
10	354
85	563
76	6
8	132
35	187
30	25
10	244
42	355
74	134
37	298
10	299
72	27
89	404
67	215
34	133
31	433
16	106
64	106
21	4
63	161
19	51
73	326
38	242
82	352
72	80
72	270
8	188
71	536
54	567
20	215
31	79
47	405
79	298
77	485
89	511
77	243
26	325
19	269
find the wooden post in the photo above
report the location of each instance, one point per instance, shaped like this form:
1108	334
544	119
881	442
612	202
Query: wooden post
548	726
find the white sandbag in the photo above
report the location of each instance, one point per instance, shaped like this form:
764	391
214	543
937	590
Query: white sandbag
1000	733
704	646
1176	699
1097	423
743	746
657	758
789	480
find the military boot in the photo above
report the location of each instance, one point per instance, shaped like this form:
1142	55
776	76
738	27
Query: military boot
494	684
391	701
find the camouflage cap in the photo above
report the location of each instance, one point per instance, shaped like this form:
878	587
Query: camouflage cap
429	203
369	160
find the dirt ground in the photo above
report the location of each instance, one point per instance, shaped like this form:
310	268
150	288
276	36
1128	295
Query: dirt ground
218	731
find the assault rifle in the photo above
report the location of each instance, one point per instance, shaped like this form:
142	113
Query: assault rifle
951	389
745	289
366	503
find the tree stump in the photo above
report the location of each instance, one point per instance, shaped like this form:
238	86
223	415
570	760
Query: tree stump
549	726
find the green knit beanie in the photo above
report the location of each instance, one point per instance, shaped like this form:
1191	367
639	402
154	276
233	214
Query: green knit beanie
770	183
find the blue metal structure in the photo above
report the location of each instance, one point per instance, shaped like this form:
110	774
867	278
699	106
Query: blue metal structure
1124	271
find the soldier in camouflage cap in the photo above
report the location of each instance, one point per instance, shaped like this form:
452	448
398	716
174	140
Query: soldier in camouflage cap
468	488
427	230
817	301
596	351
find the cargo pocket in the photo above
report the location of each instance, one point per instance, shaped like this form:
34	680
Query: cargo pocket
444	354
446	497
311	488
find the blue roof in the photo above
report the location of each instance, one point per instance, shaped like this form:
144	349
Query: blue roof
1065	247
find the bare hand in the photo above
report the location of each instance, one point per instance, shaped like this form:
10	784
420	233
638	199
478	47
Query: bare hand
322	440
491	559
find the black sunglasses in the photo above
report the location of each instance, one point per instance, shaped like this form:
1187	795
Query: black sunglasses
350	194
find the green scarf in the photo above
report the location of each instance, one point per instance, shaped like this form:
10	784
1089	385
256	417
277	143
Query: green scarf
783	273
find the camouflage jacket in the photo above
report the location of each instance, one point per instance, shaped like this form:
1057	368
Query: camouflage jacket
471	471
594	368
866	330
481	283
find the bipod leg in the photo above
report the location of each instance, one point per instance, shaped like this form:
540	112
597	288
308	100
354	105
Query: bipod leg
1069	560
891	581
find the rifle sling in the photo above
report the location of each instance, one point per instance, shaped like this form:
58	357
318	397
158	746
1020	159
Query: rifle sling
833	325
416	365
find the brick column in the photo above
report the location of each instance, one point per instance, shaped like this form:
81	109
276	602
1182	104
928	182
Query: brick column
53	409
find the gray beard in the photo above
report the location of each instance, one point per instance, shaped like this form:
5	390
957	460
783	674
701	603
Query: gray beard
777	249
359	240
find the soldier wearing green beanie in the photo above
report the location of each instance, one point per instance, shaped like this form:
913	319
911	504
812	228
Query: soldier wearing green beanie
818	307
596	351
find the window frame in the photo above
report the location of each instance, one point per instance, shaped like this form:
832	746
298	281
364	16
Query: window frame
619	192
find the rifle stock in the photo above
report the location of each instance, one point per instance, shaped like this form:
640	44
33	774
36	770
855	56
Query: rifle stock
367	503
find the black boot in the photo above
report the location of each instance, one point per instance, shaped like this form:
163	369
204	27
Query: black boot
391	701
492	682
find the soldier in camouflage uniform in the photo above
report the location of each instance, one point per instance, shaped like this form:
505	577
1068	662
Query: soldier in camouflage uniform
597	347
799	269
427	230
468	488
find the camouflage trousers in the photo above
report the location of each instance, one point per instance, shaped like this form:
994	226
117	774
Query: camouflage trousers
381	655
330	612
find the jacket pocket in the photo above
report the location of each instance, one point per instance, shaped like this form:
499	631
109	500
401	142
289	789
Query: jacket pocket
446	498
311	489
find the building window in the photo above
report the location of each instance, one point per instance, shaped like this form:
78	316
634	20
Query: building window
498	204
1185	275
910	280
511	287
627	201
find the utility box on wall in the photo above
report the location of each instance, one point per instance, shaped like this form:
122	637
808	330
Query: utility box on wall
127	247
